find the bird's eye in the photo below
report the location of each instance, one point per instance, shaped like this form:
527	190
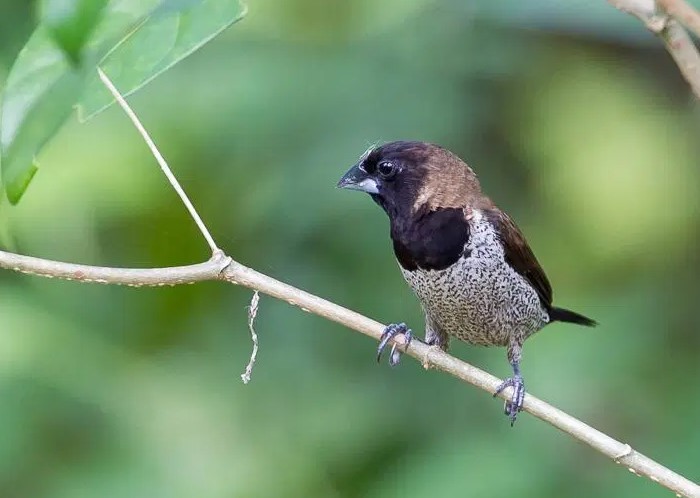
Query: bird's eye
386	169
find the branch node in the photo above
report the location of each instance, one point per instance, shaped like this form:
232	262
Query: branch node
627	451
426	362
683	11
661	17
223	260
252	313
657	22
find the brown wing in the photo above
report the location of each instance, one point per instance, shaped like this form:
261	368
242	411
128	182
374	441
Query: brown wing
519	255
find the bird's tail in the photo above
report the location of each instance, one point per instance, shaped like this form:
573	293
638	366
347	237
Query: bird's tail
562	315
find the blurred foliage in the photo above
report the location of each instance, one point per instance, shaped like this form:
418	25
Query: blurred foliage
578	124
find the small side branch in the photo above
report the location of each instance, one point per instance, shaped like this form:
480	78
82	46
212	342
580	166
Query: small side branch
681	10
681	47
161	160
660	18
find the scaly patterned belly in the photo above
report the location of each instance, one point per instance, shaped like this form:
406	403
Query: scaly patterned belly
483	302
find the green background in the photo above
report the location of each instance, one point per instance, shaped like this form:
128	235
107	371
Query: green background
577	123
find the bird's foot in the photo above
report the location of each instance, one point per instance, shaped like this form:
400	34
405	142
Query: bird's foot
515	405
390	332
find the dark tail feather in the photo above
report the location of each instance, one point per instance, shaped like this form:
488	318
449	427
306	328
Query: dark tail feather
562	315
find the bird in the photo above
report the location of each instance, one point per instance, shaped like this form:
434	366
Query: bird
465	259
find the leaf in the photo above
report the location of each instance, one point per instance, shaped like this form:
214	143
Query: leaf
70	23
38	97
172	35
135	41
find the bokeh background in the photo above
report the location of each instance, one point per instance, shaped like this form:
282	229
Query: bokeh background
578	124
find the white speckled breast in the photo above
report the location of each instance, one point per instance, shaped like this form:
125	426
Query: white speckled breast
480	299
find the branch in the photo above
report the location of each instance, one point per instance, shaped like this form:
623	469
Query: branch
156	277
683	12
222	267
676	39
159	157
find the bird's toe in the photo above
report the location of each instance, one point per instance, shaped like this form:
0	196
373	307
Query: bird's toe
390	332
515	405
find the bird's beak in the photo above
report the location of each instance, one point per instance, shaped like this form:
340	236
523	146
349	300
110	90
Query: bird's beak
357	179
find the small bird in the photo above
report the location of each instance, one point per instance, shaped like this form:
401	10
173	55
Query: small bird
467	262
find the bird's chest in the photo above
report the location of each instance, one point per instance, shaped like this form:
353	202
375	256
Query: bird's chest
479	298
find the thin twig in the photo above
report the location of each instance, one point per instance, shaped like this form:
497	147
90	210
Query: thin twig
642	9
685	13
221	267
161	161
133	277
680	45
676	39
252	313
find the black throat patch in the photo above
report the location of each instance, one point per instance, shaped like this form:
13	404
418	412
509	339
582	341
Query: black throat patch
430	240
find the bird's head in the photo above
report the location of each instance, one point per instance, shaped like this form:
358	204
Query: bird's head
407	177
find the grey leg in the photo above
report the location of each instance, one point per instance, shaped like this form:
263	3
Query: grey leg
515	405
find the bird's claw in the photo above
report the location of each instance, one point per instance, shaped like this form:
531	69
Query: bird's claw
389	333
515	405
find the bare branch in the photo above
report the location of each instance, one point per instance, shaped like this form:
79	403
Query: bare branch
620	452
252	313
161	161
133	277
676	39
681	47
682	11
644	10
221	267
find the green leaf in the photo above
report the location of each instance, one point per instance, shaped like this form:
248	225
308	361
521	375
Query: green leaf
135	41
70	23
38	97
176	29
